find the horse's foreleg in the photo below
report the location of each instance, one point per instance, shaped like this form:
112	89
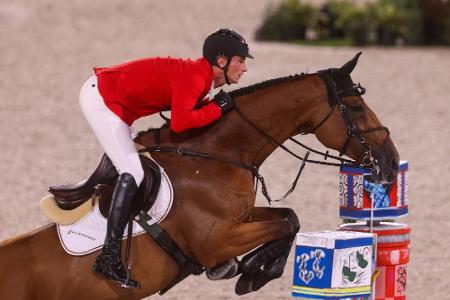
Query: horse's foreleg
273	227
253	261
244	237
268	261
241	238
275	213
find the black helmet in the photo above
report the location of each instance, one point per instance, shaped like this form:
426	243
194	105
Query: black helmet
224	42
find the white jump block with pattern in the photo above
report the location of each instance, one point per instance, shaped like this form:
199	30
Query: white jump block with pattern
333	264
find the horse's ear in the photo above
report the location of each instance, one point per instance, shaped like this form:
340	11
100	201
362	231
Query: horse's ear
349	66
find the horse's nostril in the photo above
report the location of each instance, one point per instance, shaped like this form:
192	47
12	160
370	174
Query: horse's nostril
394	164
390	177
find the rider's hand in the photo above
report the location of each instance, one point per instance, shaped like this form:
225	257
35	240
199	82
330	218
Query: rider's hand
224	101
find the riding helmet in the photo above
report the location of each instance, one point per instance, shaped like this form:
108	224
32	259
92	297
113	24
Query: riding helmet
224	42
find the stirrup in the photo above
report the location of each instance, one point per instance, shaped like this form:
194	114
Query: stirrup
100	269
130	283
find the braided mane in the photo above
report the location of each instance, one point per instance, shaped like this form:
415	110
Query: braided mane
265	84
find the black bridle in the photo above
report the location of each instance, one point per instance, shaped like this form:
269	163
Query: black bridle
335	100
335	96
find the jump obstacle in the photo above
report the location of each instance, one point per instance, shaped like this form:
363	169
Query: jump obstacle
366	257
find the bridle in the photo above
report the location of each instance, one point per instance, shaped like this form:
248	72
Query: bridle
335	96
335	99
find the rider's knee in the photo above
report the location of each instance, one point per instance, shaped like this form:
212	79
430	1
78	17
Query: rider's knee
138	174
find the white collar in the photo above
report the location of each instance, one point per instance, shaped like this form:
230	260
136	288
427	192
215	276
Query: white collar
210	95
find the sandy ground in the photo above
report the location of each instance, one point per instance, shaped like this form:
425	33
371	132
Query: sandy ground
47	51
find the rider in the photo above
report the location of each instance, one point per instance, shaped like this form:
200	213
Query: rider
116	96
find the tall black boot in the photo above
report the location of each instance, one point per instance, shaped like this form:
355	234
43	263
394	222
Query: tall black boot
109	263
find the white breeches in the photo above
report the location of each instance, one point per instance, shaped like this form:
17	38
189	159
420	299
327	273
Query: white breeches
114	135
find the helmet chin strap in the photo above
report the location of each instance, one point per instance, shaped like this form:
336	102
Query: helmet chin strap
225	71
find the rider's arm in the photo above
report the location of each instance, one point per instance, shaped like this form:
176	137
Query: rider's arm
185	94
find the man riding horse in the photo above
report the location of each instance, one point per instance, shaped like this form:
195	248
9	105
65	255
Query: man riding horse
113	98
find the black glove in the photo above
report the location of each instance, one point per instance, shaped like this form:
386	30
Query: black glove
224	101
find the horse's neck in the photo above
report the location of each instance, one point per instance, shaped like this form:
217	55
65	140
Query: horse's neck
278	110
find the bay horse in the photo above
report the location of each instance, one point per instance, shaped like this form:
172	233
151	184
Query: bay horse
214	218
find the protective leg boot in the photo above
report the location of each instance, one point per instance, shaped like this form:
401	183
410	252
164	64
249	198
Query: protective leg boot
109	263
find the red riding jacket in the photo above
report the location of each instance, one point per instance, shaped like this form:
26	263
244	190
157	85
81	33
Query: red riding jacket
143	87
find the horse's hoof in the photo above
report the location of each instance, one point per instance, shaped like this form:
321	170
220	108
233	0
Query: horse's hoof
251	282
276	268
226	270
244	285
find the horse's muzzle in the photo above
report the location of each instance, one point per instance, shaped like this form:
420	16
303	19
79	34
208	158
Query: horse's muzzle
385	171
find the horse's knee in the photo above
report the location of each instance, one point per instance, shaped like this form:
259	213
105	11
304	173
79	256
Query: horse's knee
208	261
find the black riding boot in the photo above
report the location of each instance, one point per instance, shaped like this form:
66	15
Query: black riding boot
109	263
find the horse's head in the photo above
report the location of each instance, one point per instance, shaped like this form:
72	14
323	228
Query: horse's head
346	123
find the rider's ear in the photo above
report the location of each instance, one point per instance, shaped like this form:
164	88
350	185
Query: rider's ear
221	60
349	66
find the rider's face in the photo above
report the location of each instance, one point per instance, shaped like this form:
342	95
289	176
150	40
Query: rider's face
236	69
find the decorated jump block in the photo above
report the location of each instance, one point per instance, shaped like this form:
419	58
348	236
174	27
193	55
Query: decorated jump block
393	243
357	192
333	265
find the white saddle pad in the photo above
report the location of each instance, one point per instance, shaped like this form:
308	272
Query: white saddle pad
88	234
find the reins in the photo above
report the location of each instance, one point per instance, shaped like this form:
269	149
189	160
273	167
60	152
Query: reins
254	169
278	144
193	153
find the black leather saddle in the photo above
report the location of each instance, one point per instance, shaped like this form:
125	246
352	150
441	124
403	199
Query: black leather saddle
101	183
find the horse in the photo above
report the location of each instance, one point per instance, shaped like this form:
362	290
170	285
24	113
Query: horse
214	219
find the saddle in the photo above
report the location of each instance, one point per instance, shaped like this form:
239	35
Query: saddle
101	184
